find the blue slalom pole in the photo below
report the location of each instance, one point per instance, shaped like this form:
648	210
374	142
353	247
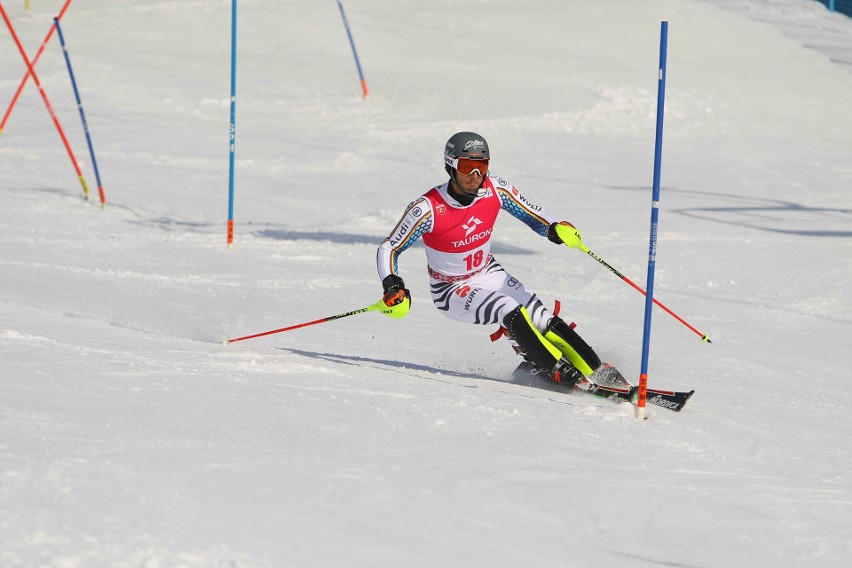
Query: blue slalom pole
80	108
233	134
655	212
354	51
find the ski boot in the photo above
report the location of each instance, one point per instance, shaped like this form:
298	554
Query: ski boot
567	374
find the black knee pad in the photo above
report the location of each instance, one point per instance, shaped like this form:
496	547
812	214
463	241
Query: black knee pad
538	350
558	326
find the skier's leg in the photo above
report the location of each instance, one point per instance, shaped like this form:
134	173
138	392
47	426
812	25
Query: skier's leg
572	346
583	357
538	349
486	298
494	296
552	327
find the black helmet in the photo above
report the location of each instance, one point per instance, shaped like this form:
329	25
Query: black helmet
464	145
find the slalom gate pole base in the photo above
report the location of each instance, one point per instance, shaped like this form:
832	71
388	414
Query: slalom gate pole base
643	397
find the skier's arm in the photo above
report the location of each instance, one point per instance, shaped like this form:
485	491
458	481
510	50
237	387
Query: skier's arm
416	220
520	207
536	218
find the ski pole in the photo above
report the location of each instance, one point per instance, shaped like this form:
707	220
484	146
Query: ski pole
34	61
80	108
47	104
586	250
380	305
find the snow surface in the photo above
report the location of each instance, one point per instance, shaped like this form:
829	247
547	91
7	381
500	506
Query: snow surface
131	437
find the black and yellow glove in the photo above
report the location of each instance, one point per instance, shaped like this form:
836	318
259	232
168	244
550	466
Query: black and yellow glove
564	233
396	297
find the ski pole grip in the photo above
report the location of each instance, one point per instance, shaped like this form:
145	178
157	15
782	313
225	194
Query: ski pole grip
569	235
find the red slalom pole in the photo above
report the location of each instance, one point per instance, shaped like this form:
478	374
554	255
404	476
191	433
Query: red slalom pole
35	60
46	100
380	305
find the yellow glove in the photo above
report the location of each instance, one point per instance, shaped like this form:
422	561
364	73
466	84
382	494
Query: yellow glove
565	233
399	310
397	298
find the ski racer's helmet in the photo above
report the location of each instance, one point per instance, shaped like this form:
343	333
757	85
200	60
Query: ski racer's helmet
464	145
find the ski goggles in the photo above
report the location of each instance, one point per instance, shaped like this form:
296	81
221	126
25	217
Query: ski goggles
467	166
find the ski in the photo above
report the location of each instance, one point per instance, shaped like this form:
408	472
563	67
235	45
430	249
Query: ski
619	390
672	400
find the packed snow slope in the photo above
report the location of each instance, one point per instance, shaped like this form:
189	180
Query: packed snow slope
130	436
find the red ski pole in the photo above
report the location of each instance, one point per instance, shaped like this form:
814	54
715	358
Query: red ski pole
35	60
586	250
380	305
45	99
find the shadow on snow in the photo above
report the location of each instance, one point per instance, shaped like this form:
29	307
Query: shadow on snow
434	373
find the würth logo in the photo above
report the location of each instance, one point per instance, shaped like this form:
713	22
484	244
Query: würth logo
471	225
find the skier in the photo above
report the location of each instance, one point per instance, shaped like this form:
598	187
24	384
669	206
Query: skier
455	221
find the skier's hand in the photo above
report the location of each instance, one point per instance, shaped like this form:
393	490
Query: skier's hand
396	297
565	233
